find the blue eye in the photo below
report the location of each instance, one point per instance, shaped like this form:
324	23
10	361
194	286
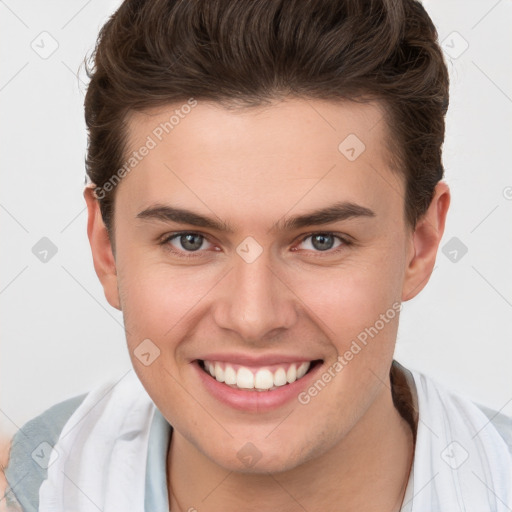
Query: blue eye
322	242
185	241
191	244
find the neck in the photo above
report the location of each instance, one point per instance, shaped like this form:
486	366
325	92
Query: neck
368	470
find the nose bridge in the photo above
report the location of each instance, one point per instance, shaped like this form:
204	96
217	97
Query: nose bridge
255	302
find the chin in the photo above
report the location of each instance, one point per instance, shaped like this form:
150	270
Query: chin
261	458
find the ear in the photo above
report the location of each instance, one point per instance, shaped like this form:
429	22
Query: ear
425	243
101	247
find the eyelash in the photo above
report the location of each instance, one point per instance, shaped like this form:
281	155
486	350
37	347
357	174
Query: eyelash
345	242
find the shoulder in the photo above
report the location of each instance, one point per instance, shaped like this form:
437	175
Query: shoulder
430	388
501	422
31	452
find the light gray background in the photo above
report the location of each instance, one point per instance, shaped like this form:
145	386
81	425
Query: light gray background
59	337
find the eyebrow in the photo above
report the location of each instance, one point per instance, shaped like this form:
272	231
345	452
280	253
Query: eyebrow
334	213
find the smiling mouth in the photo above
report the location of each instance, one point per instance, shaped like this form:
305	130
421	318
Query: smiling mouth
267	378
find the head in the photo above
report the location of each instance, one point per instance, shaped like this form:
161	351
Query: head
265	188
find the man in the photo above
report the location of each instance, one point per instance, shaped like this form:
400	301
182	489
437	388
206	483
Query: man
265	191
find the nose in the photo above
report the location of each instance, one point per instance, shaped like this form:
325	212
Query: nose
255	301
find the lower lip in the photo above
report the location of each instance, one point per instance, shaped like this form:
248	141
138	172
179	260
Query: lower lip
251	400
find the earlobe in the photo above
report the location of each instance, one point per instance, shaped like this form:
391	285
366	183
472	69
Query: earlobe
101	247
425	243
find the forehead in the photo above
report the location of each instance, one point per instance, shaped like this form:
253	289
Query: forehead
294	152
292	126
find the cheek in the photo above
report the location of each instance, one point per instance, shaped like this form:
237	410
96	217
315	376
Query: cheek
348	299
155	298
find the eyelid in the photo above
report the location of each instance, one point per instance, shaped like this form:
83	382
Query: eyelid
342	236
345	239
168	237
165	239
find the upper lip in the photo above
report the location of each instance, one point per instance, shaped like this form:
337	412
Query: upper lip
256	361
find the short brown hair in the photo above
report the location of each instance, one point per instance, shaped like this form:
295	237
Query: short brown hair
249	52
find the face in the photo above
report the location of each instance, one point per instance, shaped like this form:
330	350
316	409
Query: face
266	247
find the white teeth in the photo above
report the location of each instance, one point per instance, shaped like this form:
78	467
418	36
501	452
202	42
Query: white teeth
219	372
230	376
302	369
291	374
262	380
244	378
280	377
